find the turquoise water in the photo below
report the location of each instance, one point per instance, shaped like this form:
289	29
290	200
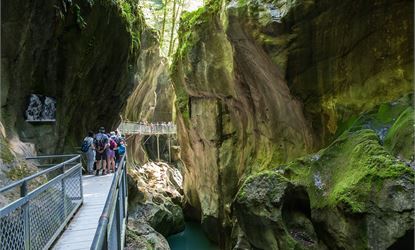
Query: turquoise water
192	238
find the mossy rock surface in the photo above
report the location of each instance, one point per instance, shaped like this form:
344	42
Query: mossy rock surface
349	172
262	83
6	155
354	193
143	236
400	138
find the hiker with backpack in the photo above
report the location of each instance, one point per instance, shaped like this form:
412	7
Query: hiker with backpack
101	148
121	148
111	152
117	138
89	149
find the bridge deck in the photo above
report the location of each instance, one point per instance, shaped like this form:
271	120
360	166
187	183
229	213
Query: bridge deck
81	230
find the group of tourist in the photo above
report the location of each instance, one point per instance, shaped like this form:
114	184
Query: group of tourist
104	150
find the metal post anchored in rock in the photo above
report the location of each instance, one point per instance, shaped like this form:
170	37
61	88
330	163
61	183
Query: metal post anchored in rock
158	147
169	146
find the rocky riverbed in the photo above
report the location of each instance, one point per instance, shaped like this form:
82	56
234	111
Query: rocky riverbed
155	204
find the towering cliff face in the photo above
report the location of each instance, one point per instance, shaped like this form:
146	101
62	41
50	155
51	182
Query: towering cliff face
152	100
82	53
260	83
237	114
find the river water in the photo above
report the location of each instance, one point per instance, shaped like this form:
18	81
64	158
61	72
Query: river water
191	238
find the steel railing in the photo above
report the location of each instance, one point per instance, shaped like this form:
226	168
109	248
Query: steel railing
147	129
37	218
112	224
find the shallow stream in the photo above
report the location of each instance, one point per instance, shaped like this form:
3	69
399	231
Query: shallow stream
191	238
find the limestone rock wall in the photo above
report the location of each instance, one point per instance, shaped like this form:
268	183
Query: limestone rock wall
260	83
82	53
152	99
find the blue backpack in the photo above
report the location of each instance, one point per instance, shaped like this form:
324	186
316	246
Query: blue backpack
121	149
85	146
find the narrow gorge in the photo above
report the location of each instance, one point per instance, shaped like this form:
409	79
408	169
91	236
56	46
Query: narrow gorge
295	119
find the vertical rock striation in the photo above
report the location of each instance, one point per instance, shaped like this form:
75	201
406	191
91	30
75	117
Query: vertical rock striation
261	83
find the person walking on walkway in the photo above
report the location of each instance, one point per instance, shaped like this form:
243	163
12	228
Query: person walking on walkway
111	152
117	138
101	146
90	154
121	147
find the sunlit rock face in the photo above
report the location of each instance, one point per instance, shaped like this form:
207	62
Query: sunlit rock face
155	198
333	55
261	83
152	99
82	53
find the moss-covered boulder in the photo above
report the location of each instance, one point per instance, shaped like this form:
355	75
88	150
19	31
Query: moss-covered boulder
275	214
354	195
142	236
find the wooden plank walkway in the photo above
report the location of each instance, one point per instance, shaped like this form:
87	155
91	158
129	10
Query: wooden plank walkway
81	230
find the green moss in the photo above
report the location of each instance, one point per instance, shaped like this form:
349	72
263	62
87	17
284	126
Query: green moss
135	241
267	156
182	100
272	181
348	172
79	19
130	12
19	172
400	137
197	20
379	118
5	153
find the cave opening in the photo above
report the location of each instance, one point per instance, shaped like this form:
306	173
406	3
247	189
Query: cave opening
296	213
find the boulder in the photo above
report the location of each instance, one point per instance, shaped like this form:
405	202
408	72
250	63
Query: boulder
156	197
351	195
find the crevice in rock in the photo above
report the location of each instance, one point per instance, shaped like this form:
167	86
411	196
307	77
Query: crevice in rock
406	242
296	213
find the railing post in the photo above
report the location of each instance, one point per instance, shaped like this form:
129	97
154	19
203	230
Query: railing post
23	189
158	148
118	222
26	218
63	199
80	184
169	146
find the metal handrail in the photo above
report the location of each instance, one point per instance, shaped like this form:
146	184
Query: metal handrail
36	219
147	129
110	233
26	179
49	156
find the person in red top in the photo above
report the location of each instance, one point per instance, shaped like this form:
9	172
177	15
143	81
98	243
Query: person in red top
111	153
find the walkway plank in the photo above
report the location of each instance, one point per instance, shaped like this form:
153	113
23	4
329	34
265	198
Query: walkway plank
81	230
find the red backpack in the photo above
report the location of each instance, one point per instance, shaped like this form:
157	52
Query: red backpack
113	144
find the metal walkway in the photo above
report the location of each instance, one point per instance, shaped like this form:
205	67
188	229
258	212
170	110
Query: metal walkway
94	206
81	230
153	129
132	128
